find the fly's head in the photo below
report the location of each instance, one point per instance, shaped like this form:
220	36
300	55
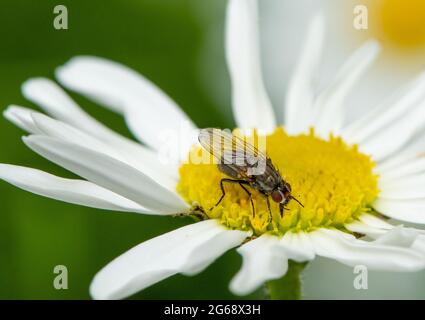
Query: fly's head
282	193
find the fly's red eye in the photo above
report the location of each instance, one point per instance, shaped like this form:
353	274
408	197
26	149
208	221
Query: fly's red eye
277	196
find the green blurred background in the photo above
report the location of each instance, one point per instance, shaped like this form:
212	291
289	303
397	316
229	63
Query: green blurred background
162	40
178	44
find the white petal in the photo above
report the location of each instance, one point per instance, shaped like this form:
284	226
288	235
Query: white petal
147	110
369	225
108	173
398	236
404	210
407	169
62	131
416	145
412	187
329	105
367	229
363	228
391	139
39	123
374	221
49	96
69	190
385	233
21	117
297	246
419	244
351	251
156	259
251	104
300	94
394	162
261	262
386	115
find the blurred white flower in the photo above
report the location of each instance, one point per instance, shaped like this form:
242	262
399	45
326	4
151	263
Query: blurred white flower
122	175
398	25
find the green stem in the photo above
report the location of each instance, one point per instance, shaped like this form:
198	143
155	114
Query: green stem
289	286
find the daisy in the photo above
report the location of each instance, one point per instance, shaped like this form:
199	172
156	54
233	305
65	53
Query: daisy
348	177
398	25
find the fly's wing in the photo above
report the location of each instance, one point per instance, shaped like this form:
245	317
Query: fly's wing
233	151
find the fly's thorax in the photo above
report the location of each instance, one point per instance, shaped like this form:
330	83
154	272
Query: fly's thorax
261	185
269	180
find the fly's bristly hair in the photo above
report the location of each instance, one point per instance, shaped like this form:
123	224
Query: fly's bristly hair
243	157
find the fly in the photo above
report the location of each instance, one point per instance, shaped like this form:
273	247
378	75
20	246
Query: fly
245	165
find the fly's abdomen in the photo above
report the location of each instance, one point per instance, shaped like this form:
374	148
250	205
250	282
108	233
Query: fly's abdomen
230	170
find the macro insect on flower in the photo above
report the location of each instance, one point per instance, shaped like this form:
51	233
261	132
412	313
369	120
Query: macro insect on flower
348	176
246	166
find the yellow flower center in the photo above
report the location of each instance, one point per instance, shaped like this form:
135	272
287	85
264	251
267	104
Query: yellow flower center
334	182
399	22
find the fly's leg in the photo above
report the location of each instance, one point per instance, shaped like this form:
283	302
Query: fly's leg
223	192
268	206
249	195
196	213
281	208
